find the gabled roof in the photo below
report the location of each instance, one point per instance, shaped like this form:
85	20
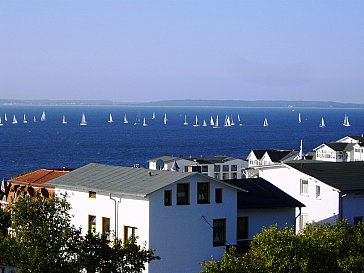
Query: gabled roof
262	194
337	146
280	155
357	138
38	177
344	176
212	159
259	153
120	180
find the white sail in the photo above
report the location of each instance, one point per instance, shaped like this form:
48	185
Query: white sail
144	122
227	122
238	117
34	119
346	121
5	117
25	119
1	122
83	120
232	123
239	120
216	125
165	119
212	123
265	123
204	124
196	122
15	121
43	117
64	121
110	119
185	123
322	124
153	116
299	117
125	119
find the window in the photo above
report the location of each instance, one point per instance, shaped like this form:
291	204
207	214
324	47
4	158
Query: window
203	193
225	168
219	232
92	195
225	176
105	226
217	176
183	194
303	220
234	175
92	223
205	169
304	187
242	228
218	195
168	198
186	169
358	219
234	168
216	168
318	192
130	233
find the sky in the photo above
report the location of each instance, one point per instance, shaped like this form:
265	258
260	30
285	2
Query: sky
139	51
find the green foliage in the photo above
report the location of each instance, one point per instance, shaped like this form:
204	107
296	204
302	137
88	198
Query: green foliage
5	220
327	248
45	241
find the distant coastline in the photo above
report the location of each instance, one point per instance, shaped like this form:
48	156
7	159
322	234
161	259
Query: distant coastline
188	103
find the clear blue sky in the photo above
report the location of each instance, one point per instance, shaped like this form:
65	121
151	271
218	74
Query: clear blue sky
199	49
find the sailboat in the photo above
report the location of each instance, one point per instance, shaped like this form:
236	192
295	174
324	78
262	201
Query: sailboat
83	120
265	123
232	123
196	122
64	120
110	119
185	123
15	121
125	119
322	124
137	120
165	119
1	122
153	115
24	119
34	119
227	121
216	125
239	120
299	117
346	121
5	117
144	122
43	117
204	124
212	123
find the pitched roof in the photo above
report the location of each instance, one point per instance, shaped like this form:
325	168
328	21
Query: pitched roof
38	177
345	176
340	146
165	158
119	180
262	194
212	159
279	155
259	153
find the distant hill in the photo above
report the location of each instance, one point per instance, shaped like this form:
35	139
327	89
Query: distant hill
192	103
257	103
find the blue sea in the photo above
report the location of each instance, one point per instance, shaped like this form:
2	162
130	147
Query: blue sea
50	144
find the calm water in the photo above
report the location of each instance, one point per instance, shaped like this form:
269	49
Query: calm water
50	144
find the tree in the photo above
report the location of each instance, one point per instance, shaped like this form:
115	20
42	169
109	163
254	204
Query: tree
324	248
46	241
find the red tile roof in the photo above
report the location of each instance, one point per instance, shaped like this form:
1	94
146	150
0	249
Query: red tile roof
38	178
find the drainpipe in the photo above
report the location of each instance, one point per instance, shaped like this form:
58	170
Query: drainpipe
116	215
341	205
295	219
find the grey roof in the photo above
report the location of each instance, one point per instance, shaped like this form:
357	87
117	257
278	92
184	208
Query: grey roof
119	180
212	159
340	146
275	155
345	176
165	158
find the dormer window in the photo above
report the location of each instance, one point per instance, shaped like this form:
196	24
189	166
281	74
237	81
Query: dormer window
92	195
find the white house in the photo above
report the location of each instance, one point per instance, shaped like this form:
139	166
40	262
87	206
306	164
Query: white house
219	167
261	204
329	190
268	157
185	217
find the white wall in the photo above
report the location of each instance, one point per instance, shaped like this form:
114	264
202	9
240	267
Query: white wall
325	208
353	206
259	218
181	236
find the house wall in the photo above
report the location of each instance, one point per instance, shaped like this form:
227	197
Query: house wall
180	234
353	206
325	153
259	218
134	213
322	209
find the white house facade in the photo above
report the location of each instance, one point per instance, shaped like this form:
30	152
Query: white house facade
186	217
269	157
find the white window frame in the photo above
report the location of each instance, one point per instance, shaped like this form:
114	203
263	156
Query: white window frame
304	189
